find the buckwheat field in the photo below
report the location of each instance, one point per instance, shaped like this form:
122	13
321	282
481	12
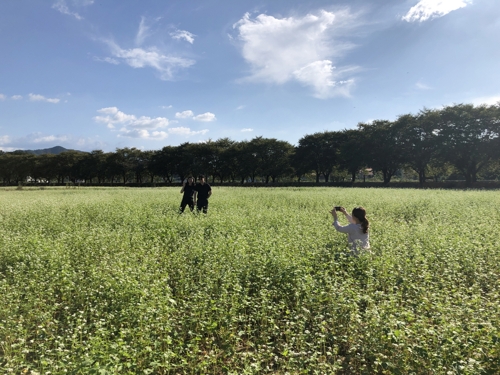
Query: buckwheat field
115	281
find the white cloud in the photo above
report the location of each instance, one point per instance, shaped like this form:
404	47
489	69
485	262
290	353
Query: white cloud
41	98
428	9
186	131
159	135
166	106
183	34
4	140
489	100
113	116
166	65
143	32
62	7
2	97
16	97
205	117
109	60
247	130
184	114
142	134
240	107
422	86
49	139
300	49
320	75
143	127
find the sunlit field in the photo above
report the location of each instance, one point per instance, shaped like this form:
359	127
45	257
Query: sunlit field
115	281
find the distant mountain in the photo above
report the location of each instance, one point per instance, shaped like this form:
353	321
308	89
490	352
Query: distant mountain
54	150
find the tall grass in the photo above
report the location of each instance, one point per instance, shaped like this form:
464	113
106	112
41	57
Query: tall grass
115	281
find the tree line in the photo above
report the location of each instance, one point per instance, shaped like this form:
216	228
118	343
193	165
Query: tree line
460	139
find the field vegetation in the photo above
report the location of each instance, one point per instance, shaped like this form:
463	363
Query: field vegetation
115	281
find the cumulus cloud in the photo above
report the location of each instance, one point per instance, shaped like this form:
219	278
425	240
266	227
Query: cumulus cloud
247	130
428	9
166	65
143	134
112	116
49	138
320	75
300	49
143	127
16	97
184	114
41	98
159	135
2	97
186	131
183	34
205	117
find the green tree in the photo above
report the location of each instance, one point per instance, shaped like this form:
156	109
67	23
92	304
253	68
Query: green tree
469	137
419	140
47	167
18	166
318	152
162	163
273	157
353	151
112	167
220	162
384	145
241	161
130	163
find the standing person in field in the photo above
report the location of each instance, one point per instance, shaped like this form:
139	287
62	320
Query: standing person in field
188	197
357	230
203	191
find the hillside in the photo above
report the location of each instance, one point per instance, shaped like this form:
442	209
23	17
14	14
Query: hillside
53	150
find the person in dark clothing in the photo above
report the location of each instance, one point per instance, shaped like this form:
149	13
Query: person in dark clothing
188	197
203	191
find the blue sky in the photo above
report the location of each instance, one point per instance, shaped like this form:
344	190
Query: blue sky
95	74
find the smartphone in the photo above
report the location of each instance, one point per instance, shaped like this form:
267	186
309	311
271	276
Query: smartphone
338	208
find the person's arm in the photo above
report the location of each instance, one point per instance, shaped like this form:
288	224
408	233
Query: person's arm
195	194
209	192
342	228
333	212
347	216
183	186
338	227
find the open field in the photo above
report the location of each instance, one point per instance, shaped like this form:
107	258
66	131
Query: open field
114	281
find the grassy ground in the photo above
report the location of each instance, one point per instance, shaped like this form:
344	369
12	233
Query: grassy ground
115	281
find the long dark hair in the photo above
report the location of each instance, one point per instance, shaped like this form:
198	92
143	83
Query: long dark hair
360	214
